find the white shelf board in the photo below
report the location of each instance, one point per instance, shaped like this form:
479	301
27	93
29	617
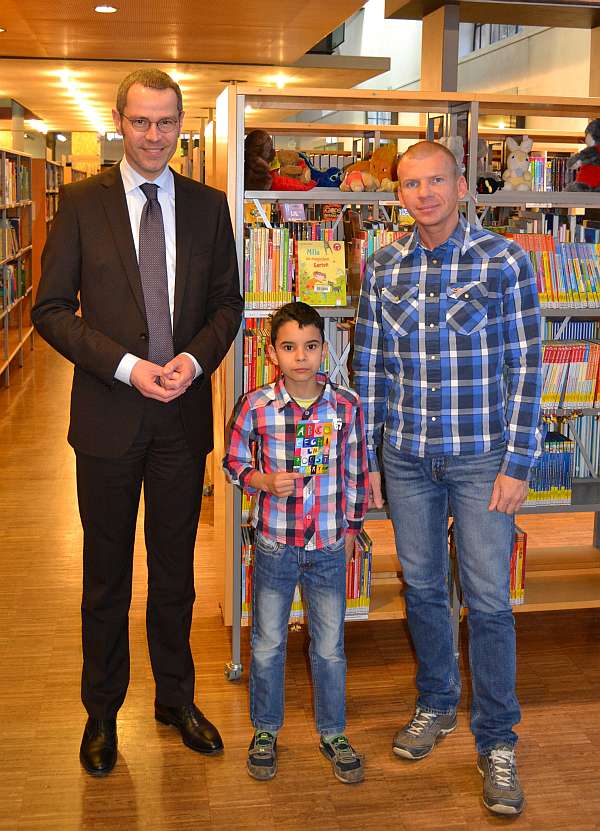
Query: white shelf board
325	195
554	199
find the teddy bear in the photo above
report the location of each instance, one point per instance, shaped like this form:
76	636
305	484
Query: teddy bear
263	167
381	165
586	163
517	175
359	180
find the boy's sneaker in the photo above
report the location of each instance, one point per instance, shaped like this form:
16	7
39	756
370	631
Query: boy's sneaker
347	764
417	738
502	791
262	755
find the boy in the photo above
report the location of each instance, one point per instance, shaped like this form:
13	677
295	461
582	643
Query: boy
310	508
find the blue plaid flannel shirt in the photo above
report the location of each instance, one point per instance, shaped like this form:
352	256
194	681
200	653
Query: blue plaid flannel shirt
447	352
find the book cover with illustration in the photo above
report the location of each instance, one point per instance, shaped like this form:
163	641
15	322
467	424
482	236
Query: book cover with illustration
322	272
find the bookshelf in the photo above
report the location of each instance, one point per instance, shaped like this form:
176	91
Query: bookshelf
15	260
557	578
46	179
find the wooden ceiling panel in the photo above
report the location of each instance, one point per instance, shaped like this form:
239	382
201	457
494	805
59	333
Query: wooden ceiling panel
578	14
167	30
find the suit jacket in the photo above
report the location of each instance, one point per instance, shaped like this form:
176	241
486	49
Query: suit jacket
89	259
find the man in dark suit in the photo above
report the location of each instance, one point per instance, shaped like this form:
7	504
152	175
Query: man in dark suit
150	257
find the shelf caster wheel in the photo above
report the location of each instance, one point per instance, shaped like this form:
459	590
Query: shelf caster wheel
233	672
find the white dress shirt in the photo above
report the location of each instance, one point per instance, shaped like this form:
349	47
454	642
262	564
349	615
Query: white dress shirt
135	205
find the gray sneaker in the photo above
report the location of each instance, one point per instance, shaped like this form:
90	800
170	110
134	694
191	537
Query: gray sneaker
262	755
347	764
417	738
502	791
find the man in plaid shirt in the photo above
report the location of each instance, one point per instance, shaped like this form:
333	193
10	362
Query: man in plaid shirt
299	444
447	364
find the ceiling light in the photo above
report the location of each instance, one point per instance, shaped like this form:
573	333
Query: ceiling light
2	30
73	88
106	9
37	125
501	125
60	137
280	81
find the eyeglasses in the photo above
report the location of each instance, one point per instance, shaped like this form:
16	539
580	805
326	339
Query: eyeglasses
142	125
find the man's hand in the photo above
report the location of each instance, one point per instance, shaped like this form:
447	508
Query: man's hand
375	498
279	484
349	541
144	377
178	374
508	494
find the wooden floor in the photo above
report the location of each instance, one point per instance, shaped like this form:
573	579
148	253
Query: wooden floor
158	783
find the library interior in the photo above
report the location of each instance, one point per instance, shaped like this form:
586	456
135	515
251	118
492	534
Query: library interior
301	120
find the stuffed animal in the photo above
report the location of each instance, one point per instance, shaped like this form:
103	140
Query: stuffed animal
388	186
586	163
330	178
262	167
291	164
517	175
358	180
381	165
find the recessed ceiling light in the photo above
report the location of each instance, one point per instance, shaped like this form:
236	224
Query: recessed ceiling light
2	30
60	137
106	9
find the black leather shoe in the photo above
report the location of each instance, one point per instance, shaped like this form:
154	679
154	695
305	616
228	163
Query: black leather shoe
98	752
196	731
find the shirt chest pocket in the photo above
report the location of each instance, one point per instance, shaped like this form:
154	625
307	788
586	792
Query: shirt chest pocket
467	309
400	307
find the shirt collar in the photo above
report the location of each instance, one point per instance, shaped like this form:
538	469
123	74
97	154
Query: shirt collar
281	396
459	238
132	179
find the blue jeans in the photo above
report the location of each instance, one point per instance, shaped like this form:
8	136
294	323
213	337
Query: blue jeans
322	575
419	493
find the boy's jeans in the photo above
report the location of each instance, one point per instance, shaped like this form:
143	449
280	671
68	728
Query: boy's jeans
419	492
322	576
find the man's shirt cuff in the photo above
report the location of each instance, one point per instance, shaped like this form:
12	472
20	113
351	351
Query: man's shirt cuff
198	368
126	364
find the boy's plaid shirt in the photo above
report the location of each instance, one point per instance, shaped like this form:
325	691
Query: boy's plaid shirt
323	505
447	352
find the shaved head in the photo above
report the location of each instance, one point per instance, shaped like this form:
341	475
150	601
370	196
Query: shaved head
426	149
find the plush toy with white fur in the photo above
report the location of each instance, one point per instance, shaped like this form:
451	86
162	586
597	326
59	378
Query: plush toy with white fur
517	175
455	145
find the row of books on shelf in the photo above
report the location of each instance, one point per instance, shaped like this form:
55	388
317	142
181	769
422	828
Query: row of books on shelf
13	283
358	580
559	226
571	329
9	237
551	481
567	274
51	205
549	174
16	181
278	266
54	176
571	375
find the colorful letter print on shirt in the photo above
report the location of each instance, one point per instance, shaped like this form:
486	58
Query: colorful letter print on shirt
313	441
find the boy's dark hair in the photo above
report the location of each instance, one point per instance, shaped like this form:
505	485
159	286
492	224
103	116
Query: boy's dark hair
301	313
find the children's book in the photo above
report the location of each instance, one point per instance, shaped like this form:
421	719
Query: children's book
322	272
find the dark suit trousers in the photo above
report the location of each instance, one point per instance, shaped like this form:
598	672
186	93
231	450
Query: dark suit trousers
109	491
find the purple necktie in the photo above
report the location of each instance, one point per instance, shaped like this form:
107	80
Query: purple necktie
153	271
